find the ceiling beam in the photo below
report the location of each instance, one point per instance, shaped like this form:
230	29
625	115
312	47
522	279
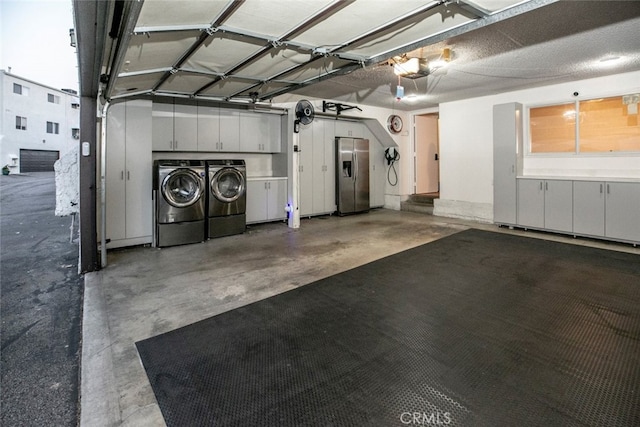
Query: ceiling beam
204	35
320	16
479	23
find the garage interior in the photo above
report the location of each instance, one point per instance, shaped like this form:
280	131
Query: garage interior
271	54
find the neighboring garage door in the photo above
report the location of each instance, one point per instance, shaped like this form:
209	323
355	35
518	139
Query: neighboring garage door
38	160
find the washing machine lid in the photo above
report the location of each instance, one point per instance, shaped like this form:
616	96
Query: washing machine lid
228	185
182	188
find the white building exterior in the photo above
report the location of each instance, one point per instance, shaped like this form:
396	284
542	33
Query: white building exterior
38	123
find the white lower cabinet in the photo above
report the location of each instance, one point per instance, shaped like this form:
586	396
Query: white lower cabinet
129	207
558	205
603	209
545	204
622	211
531	203
588	208
266	199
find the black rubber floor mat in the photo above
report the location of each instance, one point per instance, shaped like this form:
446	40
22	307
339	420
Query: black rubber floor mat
476	329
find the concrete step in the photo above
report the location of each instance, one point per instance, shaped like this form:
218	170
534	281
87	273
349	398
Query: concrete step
426	199
422	208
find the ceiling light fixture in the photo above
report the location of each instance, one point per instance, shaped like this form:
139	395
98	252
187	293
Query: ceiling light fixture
414	68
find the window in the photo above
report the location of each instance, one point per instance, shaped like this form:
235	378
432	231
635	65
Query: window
75	105
20	90
53	127
604	125
75	133
55	99
21	123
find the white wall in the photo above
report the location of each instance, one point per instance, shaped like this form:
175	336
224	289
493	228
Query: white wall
466	145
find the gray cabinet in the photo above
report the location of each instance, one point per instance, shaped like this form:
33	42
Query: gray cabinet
347	128
174	127
531	203
218	129
588	208
545	204
260	132
622	211
507	160
377	171
317	168
558	205
128	175
266	200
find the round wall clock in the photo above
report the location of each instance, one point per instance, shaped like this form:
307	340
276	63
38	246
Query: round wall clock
394	123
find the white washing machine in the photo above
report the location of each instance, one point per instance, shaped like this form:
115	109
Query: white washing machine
227	204
180	201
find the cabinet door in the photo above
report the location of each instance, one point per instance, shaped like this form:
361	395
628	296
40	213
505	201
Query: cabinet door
139	174
277	199
185	127
306	170
622	211
558	205
329	144
588	208
507	138
530	203
208	128
256	200
229	130
319	166
345	128
377	171
273	135
251	138
115	174
162	132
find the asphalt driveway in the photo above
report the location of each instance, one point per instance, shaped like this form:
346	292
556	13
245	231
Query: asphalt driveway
41	306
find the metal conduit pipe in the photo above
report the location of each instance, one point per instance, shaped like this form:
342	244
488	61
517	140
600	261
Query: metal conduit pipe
103	184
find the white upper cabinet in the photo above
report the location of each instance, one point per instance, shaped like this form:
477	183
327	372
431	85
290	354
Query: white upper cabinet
174	127
218	129
260	132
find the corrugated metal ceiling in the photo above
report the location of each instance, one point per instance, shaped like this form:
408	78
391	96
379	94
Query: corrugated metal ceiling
257	49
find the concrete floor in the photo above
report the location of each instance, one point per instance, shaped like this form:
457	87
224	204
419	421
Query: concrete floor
147	291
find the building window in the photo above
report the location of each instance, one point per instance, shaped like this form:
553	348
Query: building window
55	99
75	133
75	105
21	123
603	125
53	127
20	90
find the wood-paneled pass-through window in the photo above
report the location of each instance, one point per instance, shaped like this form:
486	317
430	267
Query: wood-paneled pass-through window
604	125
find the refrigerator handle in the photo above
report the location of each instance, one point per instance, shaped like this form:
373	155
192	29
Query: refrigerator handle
355	165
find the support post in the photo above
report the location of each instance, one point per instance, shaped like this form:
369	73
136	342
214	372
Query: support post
87	180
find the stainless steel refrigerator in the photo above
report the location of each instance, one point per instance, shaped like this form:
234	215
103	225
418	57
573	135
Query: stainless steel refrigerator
352	175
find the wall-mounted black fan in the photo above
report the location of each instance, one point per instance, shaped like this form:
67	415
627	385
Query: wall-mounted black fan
304	114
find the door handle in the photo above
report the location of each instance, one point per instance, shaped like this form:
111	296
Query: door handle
128	176
176	145
608	189
600	188
546	186
355	165
540	185
122	175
